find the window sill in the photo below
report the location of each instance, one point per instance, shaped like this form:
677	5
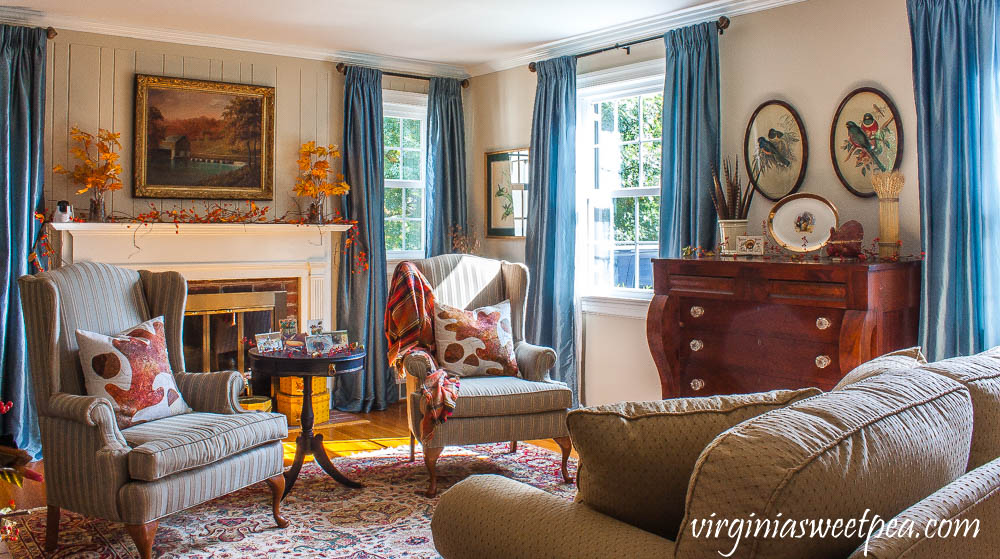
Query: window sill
624	305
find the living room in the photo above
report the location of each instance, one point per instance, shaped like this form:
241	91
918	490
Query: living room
448	279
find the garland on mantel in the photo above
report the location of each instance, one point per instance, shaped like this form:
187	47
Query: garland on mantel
41	250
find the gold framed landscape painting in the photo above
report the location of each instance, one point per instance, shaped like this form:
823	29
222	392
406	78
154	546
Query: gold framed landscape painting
203	139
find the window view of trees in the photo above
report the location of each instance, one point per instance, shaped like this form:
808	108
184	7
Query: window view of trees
624	203
402	140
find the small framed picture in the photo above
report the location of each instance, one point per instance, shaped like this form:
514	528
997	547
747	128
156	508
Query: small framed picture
289	327
339	339
320	343
750	245
268	342
315	326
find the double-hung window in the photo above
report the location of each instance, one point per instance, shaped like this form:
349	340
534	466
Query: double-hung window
404	142
619	128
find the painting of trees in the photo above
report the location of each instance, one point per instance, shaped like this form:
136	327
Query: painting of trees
243	120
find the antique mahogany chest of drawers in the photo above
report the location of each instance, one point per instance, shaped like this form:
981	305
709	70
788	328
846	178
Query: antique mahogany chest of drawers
728	326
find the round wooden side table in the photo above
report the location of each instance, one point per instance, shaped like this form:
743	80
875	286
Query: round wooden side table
283	364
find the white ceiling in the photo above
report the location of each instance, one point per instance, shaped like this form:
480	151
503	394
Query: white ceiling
465	34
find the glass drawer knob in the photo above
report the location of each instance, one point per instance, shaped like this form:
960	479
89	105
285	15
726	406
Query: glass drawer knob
696	345
697	311
697	384
823	361
822	323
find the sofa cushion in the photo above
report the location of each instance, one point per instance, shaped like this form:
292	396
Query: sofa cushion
182	442
636	457
899	359
981	375
494	396
873	448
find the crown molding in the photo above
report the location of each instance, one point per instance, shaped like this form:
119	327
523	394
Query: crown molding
382	62
639	29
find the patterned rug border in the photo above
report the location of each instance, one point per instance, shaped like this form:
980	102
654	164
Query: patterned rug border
389	518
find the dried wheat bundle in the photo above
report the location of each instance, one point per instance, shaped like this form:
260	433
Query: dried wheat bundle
888	186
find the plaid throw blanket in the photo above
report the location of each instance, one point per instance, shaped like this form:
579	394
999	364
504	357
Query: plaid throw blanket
409	328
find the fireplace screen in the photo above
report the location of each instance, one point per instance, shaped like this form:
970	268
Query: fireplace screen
218	325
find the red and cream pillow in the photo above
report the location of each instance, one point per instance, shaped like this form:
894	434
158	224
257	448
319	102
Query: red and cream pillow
475	343
132	371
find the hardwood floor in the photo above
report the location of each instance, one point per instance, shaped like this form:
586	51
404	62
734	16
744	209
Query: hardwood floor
380	429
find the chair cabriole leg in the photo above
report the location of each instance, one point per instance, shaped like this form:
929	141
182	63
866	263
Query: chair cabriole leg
567	447
143	536
277	484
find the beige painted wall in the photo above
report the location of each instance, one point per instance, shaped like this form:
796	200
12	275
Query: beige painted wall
91	83
810	54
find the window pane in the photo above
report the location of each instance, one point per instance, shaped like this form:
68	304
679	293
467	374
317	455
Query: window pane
651	163
390	132
608	116
646	256
624	219
628	119
393	202
414	236
649	218
625	267
629	170
394	235
414	202
411	133
411	164
392	163
652	116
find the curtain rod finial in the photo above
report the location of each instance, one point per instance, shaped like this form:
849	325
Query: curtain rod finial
531	66
722	24
465	83
342	68
51	32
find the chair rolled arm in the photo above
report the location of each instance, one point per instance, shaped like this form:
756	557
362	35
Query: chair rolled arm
418	364
94	411
217	392
490	516
534	361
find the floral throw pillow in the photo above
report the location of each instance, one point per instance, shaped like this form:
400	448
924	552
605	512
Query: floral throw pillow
132	371
475	343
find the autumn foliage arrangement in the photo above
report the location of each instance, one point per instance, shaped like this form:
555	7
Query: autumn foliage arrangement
318	178
97	173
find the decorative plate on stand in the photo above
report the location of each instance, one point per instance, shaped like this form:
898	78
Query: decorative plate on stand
802	222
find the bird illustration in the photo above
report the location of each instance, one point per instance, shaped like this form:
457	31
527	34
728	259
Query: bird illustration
769	154
869	125
860	141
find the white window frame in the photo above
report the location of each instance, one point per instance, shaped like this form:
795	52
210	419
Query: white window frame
624	81
405	104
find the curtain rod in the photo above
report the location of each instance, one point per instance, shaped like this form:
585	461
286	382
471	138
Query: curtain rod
722	24
342	68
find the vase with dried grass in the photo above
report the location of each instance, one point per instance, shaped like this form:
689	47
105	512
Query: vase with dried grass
888	186
732	204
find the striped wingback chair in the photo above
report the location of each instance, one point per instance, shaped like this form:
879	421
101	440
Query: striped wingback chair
145	472
490	409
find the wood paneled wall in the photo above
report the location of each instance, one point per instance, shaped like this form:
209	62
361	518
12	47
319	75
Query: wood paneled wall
91	84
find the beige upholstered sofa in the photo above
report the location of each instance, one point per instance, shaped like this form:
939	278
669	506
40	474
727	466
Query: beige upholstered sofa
145	472
918	445
490	409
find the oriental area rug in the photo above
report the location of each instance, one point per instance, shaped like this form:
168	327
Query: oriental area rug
388	518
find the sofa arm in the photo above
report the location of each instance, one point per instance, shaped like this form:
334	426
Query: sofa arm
488	516
94	411
970	502
418	364
217	392
534	361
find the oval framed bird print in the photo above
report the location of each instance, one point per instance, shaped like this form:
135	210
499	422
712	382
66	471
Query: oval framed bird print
866	138
775	150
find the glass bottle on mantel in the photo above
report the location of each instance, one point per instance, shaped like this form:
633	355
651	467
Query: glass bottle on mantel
315	213
97	213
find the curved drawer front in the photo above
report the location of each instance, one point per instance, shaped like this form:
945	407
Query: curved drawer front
783	321
812	362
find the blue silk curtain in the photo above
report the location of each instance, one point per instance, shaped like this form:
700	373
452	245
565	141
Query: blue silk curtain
690	138
551	231
362	294
22	117
446	195
956	70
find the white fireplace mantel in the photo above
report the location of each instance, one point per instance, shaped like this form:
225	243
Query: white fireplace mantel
215	251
